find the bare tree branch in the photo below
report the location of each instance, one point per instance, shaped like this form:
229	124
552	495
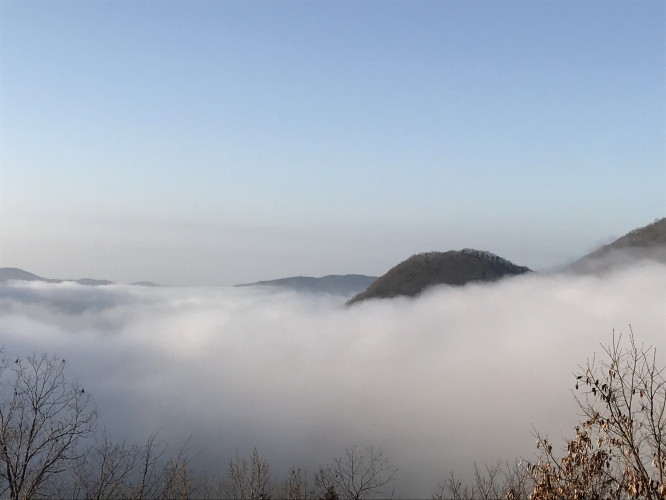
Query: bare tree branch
43	417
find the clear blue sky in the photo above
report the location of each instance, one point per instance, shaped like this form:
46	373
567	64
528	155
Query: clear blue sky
219	142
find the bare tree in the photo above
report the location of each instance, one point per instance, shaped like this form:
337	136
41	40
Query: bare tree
358	475
491	482
106	470
296	486
619	449
149	468
177	480
43	417
453	488
110	470
248	478
519	482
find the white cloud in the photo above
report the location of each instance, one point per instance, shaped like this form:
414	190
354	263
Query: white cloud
458	375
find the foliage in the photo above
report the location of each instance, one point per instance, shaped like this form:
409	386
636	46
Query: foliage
619	449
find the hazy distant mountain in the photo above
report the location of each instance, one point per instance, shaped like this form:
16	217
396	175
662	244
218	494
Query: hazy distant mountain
347	284
647	242
92	282
455	267
144	283
13	273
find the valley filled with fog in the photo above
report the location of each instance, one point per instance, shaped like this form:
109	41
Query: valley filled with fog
457	375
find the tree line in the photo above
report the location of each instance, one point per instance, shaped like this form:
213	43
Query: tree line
50	447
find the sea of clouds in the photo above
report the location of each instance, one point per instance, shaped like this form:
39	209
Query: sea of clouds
458	375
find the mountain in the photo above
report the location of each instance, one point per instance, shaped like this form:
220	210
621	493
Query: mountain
92	282
13	273
455	267
347	284
647	242
144	283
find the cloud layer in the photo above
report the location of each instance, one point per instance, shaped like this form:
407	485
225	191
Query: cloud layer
458	375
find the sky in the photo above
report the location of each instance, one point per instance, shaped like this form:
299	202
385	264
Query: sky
221	142
458	376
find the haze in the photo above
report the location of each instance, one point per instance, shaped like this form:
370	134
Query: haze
209	143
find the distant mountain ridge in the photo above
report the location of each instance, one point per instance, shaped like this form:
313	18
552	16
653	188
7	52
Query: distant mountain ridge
647	242
14	273
420	271
336	284
455	267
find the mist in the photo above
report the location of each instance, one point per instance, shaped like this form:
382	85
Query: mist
457	375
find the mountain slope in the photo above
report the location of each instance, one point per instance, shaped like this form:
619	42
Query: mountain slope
647	242
347	284
455	267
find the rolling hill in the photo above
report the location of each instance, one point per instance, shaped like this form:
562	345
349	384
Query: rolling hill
455	267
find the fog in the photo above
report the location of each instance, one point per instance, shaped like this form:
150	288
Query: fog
456	376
